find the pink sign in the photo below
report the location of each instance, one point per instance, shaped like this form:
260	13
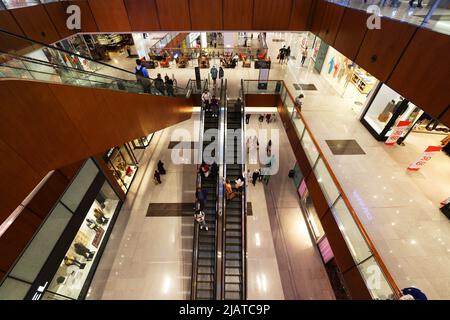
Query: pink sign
325	250
302	188
424	158
397	132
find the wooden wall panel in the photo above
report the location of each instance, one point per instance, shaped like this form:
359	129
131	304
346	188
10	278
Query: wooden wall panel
58	15
237	14
206	14
272	15
109	176
320	203
301	10
351	33
422	75
445	118
16	237
320	7
7	23
87	21
142	15
36	24
70	170
166	10
341	252
261	100
88	112
46	197
110	15
382	48
356	286
18	179
331	22
37	127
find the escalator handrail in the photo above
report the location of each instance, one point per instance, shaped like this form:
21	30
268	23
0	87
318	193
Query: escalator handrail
224	200
244	198
196	226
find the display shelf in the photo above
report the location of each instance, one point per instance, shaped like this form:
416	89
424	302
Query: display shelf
363	82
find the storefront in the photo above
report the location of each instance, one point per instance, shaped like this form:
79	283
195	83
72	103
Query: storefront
60	261
350	81
123	165
142	143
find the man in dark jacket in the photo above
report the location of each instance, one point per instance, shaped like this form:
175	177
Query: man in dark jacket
159	84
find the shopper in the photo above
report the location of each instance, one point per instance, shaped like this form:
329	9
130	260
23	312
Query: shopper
161	169
247	118
269	148
288	53
201	196
142	76
214	73
268	117
199	216
214	169
221	72
129	50
281	54
204	170
206	98
169	86
214	106
157	177
304	55
159	84
229	190
238	104
239	183
299	101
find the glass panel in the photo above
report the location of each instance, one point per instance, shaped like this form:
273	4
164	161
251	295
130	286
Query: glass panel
37	252
12	289
298	124
289	105
13	4
326	182
77	263
75	193
385	103
349	229
310	148
375	280
312	217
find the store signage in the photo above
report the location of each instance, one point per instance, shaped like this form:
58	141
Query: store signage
37	295
424	158
397	132
262	64
302	188
325	250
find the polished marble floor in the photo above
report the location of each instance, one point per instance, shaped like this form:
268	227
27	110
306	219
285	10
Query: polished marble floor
399	209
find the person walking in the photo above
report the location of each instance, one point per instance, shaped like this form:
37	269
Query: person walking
214	73
288	53
255	176
281	54
221	72
128	50
304	55
159	84
419	3
157	177
247	118
142	76
214	107
169	86
201	196
161	169
199	216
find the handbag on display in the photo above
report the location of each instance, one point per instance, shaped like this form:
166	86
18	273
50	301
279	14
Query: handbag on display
383	117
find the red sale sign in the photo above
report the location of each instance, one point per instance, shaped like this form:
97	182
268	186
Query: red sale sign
397	132
424	158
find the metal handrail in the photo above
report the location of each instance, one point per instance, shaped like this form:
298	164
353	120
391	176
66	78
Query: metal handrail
196	226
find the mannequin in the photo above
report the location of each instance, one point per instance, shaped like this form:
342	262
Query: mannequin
100	216
71	261
83	251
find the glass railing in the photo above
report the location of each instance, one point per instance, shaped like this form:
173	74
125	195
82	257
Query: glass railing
431	14
376	276
40	62
164	41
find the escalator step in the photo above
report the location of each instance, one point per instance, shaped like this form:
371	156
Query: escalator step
233	241
202	262
205	285
233	279
233	255
233	287
206	254
205	295
205	270
233	271
233	295
233	233
233	248
233	263
233	226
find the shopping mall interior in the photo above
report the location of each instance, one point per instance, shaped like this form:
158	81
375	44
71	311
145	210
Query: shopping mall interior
272	150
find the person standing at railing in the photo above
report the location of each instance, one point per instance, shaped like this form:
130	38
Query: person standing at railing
142	76
159	84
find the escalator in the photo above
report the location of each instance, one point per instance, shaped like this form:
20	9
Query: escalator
234	263
204	263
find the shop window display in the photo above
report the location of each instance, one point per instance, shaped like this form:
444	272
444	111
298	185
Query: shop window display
74	269
123	166
347	78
